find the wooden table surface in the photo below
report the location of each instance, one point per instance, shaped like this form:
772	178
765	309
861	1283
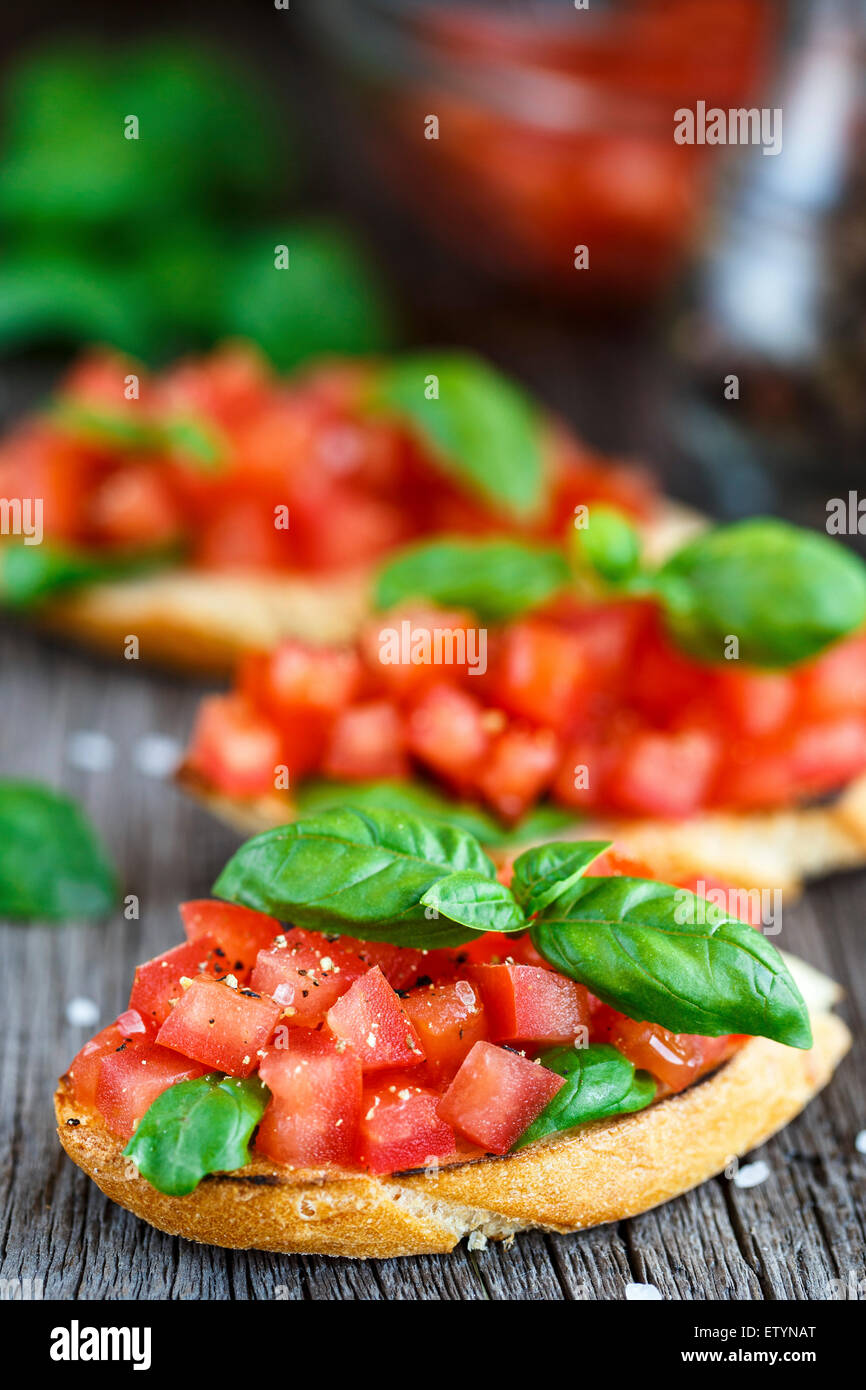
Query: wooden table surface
788	1237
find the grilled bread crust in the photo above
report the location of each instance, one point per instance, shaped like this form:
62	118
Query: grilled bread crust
604	1171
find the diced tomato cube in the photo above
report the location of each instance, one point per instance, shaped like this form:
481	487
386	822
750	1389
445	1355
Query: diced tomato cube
527	1004
235	747
542	673
518	768
826	755
366	741
316	1107
84	1071
835	681
749	778
754	703
221	1027
663	774
134	505
157	982
401	965
240	933
131	1078
306	980
239	534
663	680
674	1058
401	1128
371	1019
448	730
496	1095
416	628
449	1019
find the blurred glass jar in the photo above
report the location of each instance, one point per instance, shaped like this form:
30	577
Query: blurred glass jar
553	124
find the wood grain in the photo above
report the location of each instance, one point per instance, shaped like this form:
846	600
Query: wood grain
787	1238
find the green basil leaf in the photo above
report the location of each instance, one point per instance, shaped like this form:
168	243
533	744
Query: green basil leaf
547	872
497	579
191	441
599	1082
420	799
52	865
608	547
783	592
476	901
359	872
482	428
661	954
31	573
194	1128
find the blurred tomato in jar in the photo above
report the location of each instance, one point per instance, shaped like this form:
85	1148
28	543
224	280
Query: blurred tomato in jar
521	134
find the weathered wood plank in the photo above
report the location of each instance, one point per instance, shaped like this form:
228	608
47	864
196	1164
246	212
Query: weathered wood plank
787	1237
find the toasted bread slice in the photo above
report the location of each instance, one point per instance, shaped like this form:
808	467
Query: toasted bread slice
753	850
603	1171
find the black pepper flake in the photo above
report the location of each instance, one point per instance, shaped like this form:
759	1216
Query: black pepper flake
73	1123
122	1046
304	993
251	994
462	958
423	981
403	993
239	965
218	951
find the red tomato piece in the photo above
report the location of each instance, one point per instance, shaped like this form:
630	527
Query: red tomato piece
306	980
754	703
416	628
664	774
316	1107
235	747
449	1019
674	1058
496	1095
299	679
132	506
401	1128
157	982
239	534
131	1078
401	965
527	1004
518	768
84	1071
836	680
370	1018
448	730
240	933
221	1027
828	754
367	741
542	673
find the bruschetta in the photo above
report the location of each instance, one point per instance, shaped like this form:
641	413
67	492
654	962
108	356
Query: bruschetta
708	713
214	508
608	1043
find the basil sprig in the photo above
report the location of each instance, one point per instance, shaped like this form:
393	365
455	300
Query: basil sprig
52	865
546	873
364	873
32	573
655	952
480	427
785	593
195	1128
661	954
599	1082
497	579
475	901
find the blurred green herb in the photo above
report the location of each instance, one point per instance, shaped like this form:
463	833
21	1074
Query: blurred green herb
130	183
52	865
